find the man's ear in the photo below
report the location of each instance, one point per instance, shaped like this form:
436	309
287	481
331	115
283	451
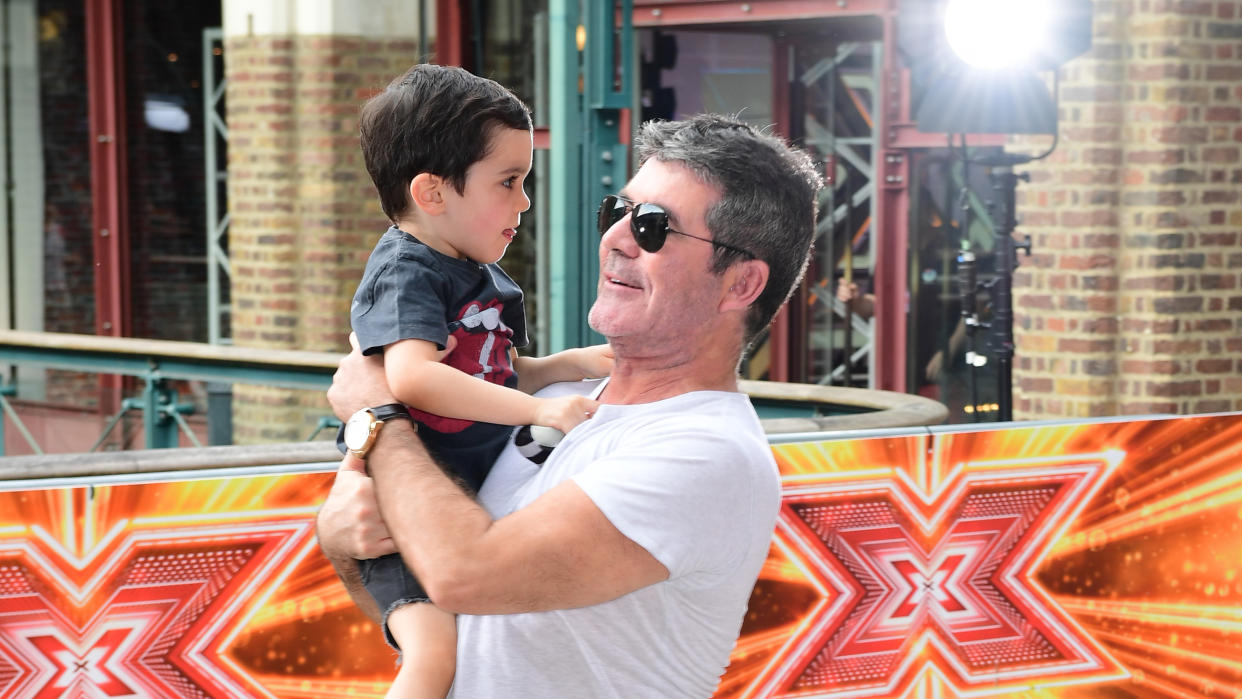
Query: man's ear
747	280
427	193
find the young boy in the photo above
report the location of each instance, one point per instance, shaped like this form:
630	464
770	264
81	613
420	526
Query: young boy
448	152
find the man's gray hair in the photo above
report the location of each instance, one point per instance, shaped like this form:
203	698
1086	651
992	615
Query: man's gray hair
767	198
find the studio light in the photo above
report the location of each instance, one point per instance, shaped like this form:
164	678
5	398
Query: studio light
1000	34
997	34
980	70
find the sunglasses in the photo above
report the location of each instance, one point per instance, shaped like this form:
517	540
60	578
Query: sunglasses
648	224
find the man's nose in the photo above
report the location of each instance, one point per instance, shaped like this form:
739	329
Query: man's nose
618	237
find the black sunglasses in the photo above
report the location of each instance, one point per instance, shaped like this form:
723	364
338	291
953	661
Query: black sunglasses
648	224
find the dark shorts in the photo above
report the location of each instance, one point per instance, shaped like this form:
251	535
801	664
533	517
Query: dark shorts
391	585
469	456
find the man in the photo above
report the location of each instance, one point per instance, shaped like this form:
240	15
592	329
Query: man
622	565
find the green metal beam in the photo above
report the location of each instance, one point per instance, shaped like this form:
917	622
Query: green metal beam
566	310
169	360
802	408
157	361
588	159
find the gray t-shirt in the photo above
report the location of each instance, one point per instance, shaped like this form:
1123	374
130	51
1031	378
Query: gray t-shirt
692	480
410	291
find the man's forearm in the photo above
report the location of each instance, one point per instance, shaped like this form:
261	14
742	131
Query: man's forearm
432	521
557	552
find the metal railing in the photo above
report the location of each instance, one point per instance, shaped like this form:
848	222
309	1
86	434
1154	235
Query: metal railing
156	363
785	408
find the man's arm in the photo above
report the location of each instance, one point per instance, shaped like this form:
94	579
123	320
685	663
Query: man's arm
558	552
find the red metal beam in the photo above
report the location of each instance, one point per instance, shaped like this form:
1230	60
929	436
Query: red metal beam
656	13
106	115
450	34
787	337
891	232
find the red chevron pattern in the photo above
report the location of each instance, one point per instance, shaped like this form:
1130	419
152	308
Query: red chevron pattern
146	613
938	580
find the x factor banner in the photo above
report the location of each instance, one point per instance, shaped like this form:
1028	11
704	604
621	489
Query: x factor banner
1093	559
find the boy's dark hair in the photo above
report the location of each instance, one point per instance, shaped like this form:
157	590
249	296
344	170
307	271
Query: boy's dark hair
433	119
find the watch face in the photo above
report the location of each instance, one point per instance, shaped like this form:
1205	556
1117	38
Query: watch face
357	429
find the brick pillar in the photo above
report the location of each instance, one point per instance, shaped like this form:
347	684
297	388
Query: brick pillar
1131	302
304	214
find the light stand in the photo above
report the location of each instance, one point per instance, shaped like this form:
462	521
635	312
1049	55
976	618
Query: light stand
968	288
1005	183
1000	288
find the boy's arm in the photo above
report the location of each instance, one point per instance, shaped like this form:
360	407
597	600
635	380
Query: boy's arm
569	365
417	378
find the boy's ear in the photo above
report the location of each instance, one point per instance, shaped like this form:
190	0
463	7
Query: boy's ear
747	280
427	193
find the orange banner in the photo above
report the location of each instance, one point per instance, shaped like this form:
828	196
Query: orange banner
1064	560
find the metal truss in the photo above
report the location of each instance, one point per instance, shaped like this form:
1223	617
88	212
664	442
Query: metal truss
846	200
216	137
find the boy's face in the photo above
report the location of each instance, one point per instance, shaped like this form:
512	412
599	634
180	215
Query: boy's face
480	222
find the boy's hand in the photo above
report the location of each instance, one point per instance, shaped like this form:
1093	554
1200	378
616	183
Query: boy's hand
564	413
594	361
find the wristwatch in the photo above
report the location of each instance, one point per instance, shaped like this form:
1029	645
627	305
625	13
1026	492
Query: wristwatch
364	426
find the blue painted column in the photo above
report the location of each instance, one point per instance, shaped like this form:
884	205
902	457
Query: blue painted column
587	158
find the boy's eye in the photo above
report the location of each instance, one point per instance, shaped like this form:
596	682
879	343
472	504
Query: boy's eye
509	182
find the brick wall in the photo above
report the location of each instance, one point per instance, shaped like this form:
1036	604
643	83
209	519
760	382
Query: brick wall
304	214
1132	300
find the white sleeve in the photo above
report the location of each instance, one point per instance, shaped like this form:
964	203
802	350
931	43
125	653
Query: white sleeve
689	493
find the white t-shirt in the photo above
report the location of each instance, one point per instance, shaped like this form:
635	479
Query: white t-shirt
692	480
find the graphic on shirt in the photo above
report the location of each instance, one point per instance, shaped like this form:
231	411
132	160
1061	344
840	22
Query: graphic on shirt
526	445
483	342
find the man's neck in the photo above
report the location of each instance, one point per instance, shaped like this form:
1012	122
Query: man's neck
646	379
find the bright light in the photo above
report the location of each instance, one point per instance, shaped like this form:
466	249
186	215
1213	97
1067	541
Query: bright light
997	34
162	114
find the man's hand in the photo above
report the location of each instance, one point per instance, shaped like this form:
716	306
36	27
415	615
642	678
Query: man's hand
348	526
358	383
349	523
846	291
862	304
934	366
